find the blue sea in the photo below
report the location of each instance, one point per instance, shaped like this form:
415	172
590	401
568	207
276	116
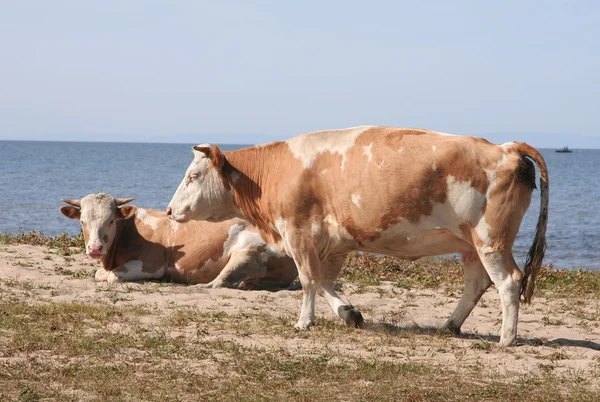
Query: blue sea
34	176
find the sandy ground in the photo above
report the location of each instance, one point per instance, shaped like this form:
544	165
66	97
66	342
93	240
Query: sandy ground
561	333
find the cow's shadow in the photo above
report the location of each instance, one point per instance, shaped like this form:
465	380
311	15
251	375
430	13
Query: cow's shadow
435	331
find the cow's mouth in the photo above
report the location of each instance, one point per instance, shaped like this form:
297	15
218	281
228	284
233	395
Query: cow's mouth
96	256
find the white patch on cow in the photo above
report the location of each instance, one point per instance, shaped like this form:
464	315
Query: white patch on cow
356	200
308	146
465	200
483	229
507	145
134	271
147	219
437	132
337	232
434	166
401	149
316	228
380	165
233	237
323	171
367	152
464	204
281	228
433	148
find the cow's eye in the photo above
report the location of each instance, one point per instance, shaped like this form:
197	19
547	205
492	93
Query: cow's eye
111	222
193	176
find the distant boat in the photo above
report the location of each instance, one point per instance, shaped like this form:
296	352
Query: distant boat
565	150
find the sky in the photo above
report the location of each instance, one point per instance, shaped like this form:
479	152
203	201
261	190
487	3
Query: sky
258	71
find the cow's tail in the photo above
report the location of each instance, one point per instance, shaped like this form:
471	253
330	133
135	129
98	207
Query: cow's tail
538	248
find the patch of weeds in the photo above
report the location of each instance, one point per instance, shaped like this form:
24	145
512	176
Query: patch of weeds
63	244
78	274
26	394
549	321
481	345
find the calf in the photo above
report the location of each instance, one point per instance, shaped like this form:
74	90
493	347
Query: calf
407	193
140	244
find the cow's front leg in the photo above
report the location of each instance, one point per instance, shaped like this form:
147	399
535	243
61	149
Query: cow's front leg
308	265
330	270
134	270
101	275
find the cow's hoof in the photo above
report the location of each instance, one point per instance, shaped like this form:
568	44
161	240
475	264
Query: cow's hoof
211	285
352	316
508	341
449	329
112	278
101	275
304	324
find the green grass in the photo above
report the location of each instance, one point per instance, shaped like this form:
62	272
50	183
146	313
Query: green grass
370	270
64	244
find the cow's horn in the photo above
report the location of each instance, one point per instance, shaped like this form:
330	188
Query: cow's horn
75	203
121	201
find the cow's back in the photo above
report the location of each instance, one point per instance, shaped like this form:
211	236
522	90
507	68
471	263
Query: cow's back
364	182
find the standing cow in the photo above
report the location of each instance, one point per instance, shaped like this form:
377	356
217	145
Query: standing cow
139	244
408	193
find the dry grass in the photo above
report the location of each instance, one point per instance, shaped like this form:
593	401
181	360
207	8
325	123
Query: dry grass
70	351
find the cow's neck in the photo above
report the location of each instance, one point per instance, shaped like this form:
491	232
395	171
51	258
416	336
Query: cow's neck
110	259
249	180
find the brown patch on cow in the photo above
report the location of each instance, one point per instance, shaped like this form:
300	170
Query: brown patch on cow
105	238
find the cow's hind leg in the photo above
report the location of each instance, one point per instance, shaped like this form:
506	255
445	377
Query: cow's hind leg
329	272
477	281
506	276
242	265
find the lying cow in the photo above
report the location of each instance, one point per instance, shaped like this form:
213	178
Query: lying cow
138	244
407	193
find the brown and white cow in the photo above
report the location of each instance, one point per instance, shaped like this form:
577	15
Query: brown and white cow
140	244
408	193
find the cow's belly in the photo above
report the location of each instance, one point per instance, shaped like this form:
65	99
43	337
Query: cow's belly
193	272
413	246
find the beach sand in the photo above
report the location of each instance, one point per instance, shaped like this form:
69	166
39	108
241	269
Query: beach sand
557	335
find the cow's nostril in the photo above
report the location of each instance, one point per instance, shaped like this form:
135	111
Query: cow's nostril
169	211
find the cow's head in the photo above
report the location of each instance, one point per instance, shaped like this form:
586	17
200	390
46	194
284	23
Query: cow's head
203	193
98	214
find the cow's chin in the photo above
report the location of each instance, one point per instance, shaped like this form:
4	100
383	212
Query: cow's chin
96	256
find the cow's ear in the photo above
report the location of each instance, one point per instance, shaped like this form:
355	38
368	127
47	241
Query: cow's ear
213	153
71	212
204	149
217	158
127	211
